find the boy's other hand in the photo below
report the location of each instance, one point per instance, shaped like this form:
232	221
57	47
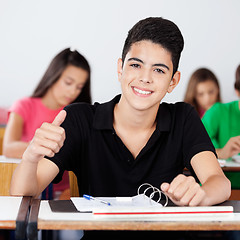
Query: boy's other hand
184	191
47	141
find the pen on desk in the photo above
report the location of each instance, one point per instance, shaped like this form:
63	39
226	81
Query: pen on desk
97	199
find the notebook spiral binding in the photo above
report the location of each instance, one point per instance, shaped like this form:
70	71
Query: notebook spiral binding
147	187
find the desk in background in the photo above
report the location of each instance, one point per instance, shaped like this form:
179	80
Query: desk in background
7	167
230	166
2	131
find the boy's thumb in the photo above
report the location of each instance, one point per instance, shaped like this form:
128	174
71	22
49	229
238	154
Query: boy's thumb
59	118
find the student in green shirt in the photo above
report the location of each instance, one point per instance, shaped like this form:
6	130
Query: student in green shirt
222	122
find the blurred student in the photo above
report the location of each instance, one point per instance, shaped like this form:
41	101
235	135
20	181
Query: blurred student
66	80
222	124
203	90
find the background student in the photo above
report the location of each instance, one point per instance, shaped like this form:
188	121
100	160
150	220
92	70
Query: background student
222	124
203	90
66	80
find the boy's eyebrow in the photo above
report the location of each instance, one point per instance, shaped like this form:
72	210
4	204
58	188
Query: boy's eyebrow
135	59
154	65
161	65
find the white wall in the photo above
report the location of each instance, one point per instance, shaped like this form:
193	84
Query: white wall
32	32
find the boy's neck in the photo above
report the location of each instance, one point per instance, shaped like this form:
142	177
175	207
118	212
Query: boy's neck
133	119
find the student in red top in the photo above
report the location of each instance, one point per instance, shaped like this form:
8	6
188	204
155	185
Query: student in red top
66	80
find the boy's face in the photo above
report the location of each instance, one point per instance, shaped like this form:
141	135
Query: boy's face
146	75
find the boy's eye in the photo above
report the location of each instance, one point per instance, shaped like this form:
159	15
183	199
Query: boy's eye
159	70
135	65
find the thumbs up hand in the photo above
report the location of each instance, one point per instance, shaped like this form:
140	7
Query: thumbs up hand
59	118
47	141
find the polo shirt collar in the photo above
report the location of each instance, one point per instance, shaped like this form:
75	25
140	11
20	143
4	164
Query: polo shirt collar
103	119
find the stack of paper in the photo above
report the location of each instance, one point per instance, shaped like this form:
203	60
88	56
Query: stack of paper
142	206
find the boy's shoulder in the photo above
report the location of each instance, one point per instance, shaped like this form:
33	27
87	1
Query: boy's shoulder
80	108
178	107
172	113
98	114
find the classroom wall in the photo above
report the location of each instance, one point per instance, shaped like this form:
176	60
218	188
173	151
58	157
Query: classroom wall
32	32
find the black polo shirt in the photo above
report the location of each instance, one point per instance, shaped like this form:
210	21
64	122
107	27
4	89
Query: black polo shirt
103	164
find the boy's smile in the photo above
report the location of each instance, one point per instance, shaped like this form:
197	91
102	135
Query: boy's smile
141	92
146	75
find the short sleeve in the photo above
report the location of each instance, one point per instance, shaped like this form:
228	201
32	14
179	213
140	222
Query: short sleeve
195	138
21	107
211	123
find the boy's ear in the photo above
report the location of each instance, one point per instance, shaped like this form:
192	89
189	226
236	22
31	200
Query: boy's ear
174	82
119	69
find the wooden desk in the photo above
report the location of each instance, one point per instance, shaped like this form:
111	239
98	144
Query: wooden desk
139	226
2	131
7	167
86	221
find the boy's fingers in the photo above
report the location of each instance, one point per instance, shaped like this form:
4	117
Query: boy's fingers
59	118
179	179
164	187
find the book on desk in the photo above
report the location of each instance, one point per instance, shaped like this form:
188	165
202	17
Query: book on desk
137	207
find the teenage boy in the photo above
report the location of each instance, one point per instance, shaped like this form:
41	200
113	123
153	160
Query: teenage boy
115	147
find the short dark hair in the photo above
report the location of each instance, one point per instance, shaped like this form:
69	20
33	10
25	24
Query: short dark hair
160	31
66	57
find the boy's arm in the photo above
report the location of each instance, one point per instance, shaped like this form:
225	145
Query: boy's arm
215	188
34	173
30	179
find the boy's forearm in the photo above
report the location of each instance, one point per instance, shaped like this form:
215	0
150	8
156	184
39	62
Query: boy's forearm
217	189
24	180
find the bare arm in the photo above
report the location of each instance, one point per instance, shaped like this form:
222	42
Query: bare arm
13	147
215	188
30	179
34	173
215	184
